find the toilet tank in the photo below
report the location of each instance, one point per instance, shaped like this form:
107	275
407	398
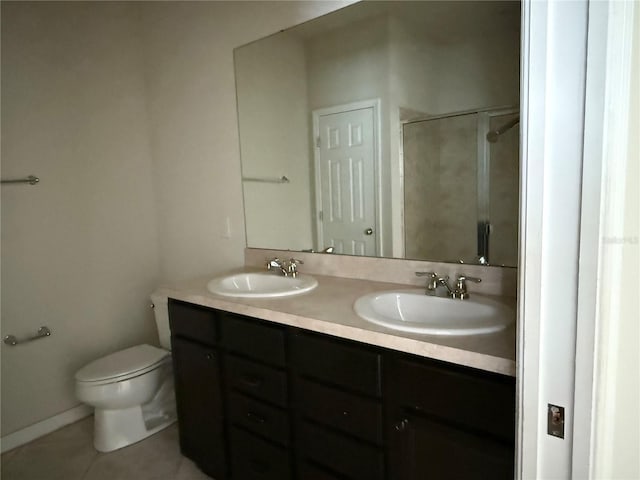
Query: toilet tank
161	311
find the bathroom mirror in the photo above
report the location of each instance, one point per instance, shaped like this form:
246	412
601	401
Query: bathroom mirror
385	129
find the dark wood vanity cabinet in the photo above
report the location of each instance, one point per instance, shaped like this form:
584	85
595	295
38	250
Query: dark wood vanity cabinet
448	422
262	401
198	386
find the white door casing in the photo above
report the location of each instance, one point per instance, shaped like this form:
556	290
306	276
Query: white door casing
554	52
346	157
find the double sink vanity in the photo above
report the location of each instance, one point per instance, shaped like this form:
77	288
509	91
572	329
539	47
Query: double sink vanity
374	141
318	377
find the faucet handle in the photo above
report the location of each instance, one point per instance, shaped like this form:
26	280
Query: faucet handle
426	274
461	287
273	263
464	278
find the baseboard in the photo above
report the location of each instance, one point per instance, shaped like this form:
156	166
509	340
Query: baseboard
37	430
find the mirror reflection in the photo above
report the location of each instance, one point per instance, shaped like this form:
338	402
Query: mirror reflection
385	129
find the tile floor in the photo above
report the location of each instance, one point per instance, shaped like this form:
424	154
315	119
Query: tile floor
68	454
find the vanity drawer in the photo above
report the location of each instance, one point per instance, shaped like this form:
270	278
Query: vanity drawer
253	338
265	420
255	459
193	321
475	400
337	362
307	471
340	454
350	413
257	380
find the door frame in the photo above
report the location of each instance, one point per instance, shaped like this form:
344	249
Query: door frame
553	71
576	59
377	164
606	138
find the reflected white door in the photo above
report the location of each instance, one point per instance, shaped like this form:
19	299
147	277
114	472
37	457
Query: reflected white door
345	153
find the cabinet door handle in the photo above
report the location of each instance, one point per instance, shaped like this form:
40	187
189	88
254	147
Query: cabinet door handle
255	418
251	380
402	425
208	356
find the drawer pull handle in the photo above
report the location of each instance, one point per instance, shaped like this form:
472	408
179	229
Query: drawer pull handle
209	356
255	418
402	425
251	380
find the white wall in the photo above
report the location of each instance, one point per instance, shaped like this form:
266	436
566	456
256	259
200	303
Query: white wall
79	250
349	64
127	113
192	104
467	72
617	410
274	118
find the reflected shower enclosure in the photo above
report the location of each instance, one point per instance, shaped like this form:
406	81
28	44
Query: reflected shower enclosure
461	187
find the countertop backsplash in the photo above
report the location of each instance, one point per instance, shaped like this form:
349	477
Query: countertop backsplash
500	281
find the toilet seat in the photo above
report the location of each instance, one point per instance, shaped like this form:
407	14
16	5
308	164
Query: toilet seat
122	365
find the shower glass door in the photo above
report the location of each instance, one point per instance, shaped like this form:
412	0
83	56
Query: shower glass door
461	187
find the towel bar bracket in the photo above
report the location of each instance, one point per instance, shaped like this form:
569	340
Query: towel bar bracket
42	332
31	180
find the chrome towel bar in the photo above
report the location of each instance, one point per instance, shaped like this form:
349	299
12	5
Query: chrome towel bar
31	180
282	179
42	332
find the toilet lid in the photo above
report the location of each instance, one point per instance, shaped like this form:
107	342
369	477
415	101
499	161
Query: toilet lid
125	362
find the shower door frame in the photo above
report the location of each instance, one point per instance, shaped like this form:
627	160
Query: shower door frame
484	174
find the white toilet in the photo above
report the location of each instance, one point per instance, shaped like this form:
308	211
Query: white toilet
131	390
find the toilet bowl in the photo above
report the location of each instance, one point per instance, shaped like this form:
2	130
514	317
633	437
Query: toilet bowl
131	390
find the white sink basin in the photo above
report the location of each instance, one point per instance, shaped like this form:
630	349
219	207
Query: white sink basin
413	311
261	285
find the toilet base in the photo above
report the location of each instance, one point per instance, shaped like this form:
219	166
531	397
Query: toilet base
114	429
117	428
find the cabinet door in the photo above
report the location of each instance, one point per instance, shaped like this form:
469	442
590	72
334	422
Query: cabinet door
350	458
199	404
422	448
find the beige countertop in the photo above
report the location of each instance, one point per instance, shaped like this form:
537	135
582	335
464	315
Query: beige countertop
329	309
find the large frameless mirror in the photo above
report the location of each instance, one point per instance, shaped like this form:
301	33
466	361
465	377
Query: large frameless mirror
385	129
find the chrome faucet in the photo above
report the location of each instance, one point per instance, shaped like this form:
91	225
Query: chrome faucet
434	281
285	267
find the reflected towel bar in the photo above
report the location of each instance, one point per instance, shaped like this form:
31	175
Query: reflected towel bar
281	179
31	180
42	332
